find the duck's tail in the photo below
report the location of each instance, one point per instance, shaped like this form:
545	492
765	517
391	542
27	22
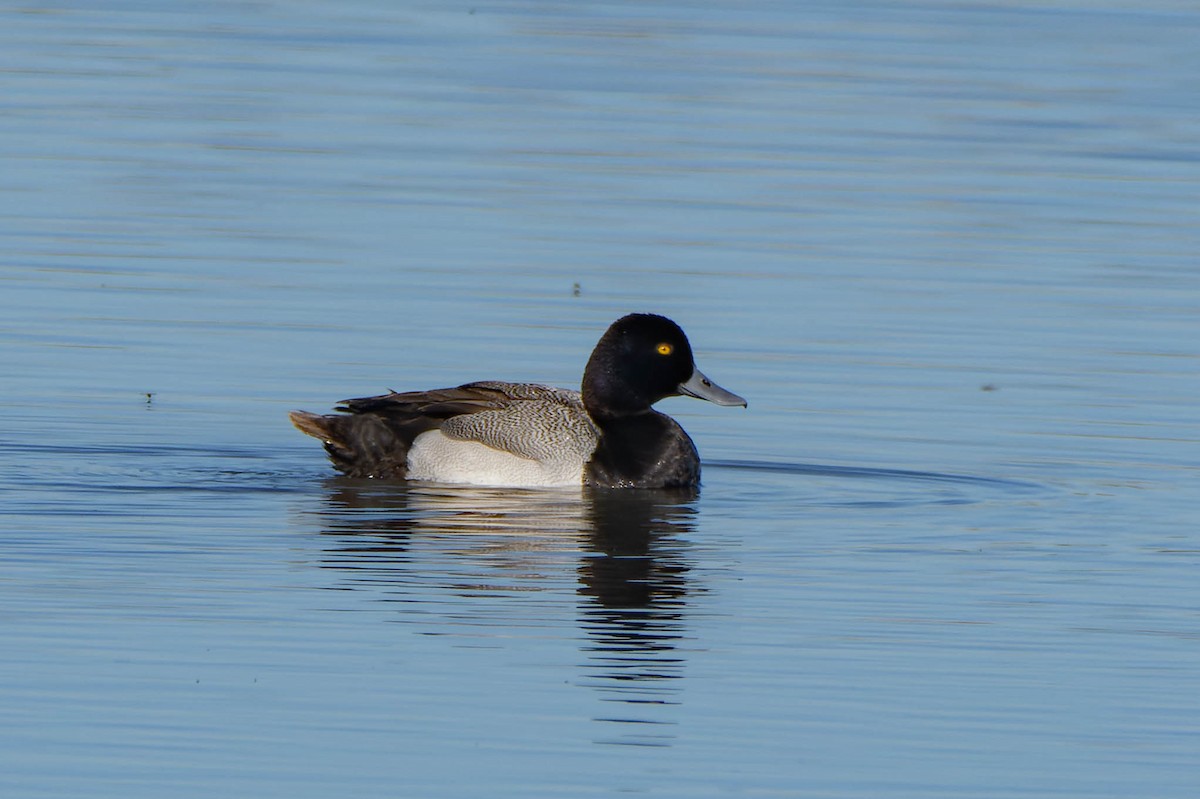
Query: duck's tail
358	446
311	425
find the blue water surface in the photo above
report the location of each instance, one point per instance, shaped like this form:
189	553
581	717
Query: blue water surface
946	250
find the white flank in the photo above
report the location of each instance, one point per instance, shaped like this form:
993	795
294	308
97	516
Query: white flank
434	456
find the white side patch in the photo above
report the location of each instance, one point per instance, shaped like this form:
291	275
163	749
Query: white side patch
435	456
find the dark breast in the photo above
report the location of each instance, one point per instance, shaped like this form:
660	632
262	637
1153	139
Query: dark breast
649	450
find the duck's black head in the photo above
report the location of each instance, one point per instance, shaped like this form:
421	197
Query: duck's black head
639	360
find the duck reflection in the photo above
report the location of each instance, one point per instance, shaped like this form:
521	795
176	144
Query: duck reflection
634	578
623	553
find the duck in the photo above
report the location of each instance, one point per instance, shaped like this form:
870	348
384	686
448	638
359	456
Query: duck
524	435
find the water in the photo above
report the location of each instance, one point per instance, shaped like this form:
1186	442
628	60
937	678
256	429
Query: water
947	251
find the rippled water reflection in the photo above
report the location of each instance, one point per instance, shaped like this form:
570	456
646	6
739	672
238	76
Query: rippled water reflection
464	553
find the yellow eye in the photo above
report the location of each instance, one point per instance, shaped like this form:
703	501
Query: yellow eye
665	349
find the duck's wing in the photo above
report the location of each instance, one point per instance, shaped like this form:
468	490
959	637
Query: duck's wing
544	425
444	403
372	435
